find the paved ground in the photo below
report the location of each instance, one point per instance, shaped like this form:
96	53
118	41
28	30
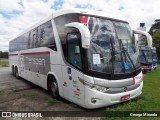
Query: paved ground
21	95
7	81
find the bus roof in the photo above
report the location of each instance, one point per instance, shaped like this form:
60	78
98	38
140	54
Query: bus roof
67	11
85	12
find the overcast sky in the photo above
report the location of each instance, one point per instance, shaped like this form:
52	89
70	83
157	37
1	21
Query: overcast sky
17	15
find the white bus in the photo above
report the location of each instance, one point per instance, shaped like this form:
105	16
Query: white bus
81	55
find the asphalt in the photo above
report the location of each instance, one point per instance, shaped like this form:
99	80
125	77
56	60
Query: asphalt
21	95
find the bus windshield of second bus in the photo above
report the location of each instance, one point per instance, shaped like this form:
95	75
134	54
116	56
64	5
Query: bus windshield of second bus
148	57
154	56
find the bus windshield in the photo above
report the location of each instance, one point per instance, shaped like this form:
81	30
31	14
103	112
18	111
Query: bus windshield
113	49
142	57
146	56
154	55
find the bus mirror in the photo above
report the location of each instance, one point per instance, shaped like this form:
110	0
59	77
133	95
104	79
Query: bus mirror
148	36
84	31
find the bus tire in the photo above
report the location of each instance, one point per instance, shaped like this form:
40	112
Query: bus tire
53	87
12	70
16	73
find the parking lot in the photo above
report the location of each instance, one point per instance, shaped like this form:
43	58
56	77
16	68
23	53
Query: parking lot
21	95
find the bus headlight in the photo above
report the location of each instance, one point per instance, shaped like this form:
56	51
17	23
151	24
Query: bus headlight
99	88
93	86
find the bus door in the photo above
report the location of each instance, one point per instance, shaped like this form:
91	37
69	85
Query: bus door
73	90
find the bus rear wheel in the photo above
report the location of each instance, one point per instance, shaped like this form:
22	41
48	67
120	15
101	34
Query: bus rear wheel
12	70
16	73
54	89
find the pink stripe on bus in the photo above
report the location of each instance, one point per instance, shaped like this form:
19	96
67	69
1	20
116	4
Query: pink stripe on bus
31	53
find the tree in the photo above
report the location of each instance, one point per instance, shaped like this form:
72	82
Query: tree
158	52
156	37
155	32
3	54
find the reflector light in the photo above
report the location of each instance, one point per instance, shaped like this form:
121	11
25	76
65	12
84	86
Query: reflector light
124	98
144	66
83	19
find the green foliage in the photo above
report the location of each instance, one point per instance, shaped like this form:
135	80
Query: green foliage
4	63
153	27
148	101
3	54
156	40
143	41
156	37
158	52
155	32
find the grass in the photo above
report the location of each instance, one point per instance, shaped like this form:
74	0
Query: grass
4	63
48	99
148	101
30	95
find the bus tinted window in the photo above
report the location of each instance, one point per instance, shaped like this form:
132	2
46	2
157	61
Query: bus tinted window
29	40
60	21
20	43
25	41
47	36
74	52
41	36
33	38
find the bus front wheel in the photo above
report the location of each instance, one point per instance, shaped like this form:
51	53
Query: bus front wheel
54	89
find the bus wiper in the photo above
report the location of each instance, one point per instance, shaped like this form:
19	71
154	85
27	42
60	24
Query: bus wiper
128	55
123	53
144	56
113	58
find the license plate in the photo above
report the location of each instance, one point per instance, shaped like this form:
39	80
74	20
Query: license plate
124	98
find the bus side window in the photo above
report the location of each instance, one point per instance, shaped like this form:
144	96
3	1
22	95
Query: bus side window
16	44
74	53
47	37
33	42
29	40
34	38
41	36
25	41
38	35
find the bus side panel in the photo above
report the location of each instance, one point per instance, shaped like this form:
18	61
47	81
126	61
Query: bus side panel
56	63
13	59
73	88
34	65
56	71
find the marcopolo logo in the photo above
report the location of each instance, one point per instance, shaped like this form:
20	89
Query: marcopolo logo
138	77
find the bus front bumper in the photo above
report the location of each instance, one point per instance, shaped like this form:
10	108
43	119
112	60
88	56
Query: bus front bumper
96	99
147	67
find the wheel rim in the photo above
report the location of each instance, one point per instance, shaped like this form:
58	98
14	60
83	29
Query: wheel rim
54	88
